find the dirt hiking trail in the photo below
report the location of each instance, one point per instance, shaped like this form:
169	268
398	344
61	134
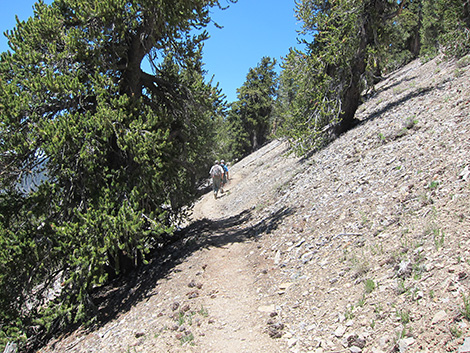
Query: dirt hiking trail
213	299
361	247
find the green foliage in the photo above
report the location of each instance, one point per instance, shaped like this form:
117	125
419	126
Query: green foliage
400	38
466	307
404	316
250	117
353	43
306	103
455	331
431	28
321	87
456	20
99	158
369	286
446	24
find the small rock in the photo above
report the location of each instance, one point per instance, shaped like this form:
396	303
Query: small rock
311	327
465	174
291	342
429	267
403	344
193	294
441	315
462	276
307	257
465	347
285	286
404	269
139	334
340	330
383	342
193	284
287	335
355	341
275	329
277	257
278	326
377	350
273	333
355	349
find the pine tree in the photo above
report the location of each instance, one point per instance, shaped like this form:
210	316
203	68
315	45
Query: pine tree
349	39
99	158
446	25
250	116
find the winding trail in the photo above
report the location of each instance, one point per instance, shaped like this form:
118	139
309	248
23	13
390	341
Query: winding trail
241	306
209	291
241	326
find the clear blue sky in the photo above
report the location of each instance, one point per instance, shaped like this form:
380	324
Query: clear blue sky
252	29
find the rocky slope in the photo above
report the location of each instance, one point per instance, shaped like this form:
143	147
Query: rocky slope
362	247
377	253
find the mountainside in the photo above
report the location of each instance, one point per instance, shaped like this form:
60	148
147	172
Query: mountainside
363	246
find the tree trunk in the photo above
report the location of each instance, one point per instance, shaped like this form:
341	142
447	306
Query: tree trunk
255	142
466	13
352	95
349	106
414	42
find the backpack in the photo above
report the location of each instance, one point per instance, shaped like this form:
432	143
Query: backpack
217	170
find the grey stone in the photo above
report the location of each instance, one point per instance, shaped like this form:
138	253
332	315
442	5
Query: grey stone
405	269
404	343
465	347
355	349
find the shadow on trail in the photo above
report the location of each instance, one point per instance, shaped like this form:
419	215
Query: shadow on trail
125	292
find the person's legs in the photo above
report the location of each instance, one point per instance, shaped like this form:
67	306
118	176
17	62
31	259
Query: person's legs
216	186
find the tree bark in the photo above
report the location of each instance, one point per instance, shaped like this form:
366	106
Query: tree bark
352	95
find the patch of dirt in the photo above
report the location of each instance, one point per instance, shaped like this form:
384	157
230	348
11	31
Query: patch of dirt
362	247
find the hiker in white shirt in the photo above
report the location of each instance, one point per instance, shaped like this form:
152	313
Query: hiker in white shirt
216	173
